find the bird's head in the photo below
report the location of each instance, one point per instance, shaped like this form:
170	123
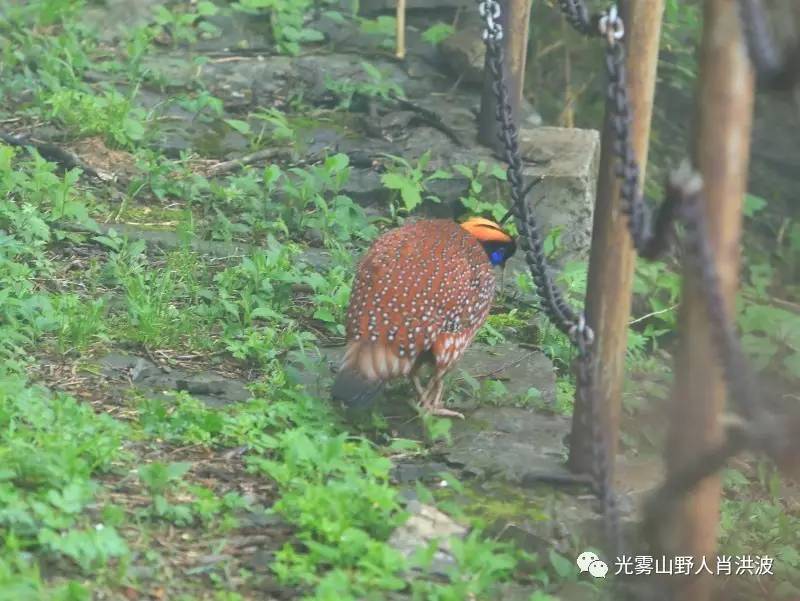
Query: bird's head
498	244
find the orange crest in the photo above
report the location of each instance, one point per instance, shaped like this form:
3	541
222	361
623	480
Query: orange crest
485	230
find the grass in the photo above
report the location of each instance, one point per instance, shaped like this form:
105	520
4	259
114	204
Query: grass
109	490
96	484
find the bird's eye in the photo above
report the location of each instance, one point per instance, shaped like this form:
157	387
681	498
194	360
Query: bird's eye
497	257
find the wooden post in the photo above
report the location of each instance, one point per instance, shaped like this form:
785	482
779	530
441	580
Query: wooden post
721	152
401	29
515	18
611	263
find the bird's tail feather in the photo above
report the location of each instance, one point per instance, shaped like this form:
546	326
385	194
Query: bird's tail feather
353	389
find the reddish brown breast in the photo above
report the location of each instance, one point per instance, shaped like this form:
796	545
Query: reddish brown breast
425	286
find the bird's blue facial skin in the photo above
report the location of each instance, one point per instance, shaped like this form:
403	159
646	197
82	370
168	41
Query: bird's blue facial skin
497	257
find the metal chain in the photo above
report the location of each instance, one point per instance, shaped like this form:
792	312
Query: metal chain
763	51
610	26
602	471
564	317
490	11
741	382
776	68
577	15
762	429
651	236
649	240
555	306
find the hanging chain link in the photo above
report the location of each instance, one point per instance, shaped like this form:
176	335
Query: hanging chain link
490	11
762	428
577	15
611	26
651	237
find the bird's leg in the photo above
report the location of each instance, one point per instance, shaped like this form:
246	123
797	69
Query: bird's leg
432	399
417	382
425	394
418	385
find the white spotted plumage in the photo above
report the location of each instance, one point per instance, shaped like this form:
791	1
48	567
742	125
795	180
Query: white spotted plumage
424	287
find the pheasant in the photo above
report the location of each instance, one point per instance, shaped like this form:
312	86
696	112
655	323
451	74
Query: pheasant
420	294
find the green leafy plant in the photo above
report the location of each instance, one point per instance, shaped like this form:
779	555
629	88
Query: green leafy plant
110	113
661	287
185	26
288	21
370	83
409	181
771	335
159	478
184	420
383	28
437	33
474	201
204	105
682	25
280	129
35	202
52	448
81	322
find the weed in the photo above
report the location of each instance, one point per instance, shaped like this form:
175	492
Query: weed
772	517
154	316
109	113
288	20
281	130
184	27
370	83
81	322
474	201
383	28
410	182
52	447
438	33
204	105
159	478
185	420
34	200
771	337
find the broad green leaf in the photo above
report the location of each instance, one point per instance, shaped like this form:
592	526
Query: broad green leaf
243	127
753	204
562	566
437	33
411	197
206	8
324	314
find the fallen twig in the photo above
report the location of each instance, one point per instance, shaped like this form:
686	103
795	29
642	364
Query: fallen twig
430	117
267	154
226	167
499	370
51	152
775	302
